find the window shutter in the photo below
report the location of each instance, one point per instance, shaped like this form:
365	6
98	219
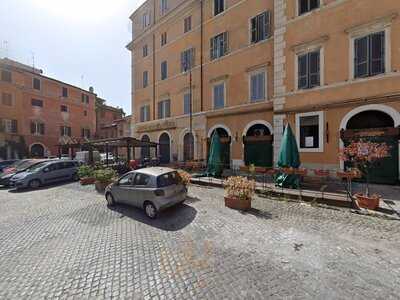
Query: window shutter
314	69
167	112
254	30
69	131
302	71
361	57
41	127
225	43
33	128
160	110
377	53
267	24
14	126
212	51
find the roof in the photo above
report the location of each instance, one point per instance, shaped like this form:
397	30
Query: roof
155	171
36	72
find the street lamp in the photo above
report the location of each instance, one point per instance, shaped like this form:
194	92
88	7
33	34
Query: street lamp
188	68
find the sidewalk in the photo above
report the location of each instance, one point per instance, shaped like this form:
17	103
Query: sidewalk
329	192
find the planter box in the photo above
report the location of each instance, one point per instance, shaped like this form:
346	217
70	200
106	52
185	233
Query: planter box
87	181
101	186
236	203
368	202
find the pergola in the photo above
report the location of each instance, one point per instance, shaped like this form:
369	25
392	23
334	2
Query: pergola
122	142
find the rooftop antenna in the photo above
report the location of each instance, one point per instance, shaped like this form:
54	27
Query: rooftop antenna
82	77
5	48
33	60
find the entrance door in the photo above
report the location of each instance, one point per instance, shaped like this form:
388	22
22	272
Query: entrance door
165	149
258	148
376	127
188	147
37	151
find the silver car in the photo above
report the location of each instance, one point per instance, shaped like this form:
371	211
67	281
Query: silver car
46	173
152	189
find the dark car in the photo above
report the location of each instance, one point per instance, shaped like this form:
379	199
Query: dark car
17	167
5	163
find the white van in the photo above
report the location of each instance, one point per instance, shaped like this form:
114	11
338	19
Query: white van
83	156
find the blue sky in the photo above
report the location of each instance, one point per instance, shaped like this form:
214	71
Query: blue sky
73	38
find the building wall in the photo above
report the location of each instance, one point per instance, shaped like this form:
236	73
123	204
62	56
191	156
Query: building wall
50	114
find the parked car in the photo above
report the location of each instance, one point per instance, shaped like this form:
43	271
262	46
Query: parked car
5	163
19	167
46	173
152	189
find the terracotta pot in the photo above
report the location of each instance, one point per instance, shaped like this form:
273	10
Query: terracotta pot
101	186
368	202
236	203
87	180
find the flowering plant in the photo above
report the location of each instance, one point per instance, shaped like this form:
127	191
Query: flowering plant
364	155
185	176
239	187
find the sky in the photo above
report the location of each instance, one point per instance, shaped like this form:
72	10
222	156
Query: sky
81	42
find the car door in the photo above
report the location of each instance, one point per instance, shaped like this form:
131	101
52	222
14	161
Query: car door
50	173
141	188
121	191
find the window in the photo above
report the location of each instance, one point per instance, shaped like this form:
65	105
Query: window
64	108
37	128
85	113
145	50
85	98
145	79
186	104
219	45
309	70
6	76
126	180
219	6
64	92
260	27
65	131
187	24
146	20
187	59
309	131
9	126
37	102
164	70
164	109
219	95
36	84
163	6
306	6
369	55
141	179
85	133
163	38
145	113
257	86
6	99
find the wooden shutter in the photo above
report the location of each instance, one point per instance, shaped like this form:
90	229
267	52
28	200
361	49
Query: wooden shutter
314	69
267	24
14	126
225	41
142	114
160	110
254	30
361	50
33	127
377	53
41	128
302	71
212	50
167	108
69	131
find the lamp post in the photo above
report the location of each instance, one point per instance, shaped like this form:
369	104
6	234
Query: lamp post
187	68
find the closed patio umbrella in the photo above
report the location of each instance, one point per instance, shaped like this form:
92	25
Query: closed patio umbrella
288	158
214	165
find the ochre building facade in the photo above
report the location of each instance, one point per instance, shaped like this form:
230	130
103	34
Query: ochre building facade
329	68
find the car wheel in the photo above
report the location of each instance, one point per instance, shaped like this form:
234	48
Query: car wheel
110	199
150	210
34	184
75	177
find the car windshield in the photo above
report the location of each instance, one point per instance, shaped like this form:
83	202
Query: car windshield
168	179
25	164
36	167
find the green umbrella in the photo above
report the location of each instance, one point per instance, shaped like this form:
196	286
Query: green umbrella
288	158
214	166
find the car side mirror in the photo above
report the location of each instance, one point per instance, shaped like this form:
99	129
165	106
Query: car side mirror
46	170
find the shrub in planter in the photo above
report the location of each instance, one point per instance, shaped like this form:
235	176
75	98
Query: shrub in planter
85	174
186	177
364	156
239	192
104	177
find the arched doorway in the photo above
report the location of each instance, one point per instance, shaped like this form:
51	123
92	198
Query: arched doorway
37	151
378	127
188	147
258	149
225	140
145	151
165	148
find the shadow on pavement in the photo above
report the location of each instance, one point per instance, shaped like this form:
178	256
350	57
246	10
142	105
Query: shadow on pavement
43	187
257	213
171	219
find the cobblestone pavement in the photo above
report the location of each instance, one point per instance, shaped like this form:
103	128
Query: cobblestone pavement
63	242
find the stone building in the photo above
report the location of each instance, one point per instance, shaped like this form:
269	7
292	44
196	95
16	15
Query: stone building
329	68
37	111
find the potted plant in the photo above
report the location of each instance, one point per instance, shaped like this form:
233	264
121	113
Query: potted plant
239	192
104	177
85	174
364	156
185	176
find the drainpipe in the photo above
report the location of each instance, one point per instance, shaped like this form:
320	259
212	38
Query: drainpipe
201	52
